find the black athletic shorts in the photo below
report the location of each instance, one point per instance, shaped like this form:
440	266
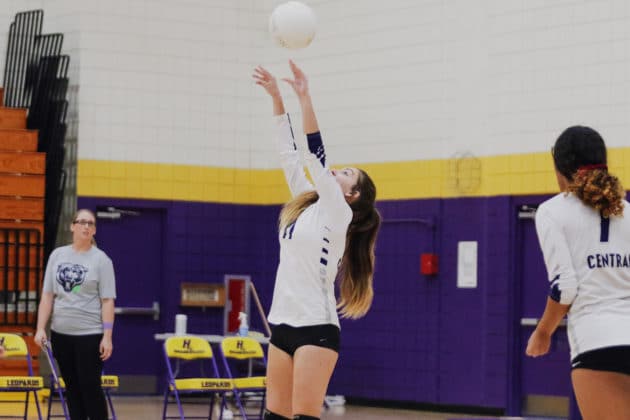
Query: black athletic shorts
289	339
610	359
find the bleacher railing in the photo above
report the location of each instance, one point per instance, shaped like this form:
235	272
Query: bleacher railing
21	274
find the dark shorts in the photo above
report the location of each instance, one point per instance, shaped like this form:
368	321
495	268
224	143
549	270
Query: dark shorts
289	339
610	359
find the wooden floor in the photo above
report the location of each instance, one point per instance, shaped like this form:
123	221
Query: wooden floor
150	408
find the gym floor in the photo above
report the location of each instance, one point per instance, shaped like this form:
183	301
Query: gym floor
150	408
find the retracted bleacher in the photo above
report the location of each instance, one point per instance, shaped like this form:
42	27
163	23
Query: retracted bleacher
33	109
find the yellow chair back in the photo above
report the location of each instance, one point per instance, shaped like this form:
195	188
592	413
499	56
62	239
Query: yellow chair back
241	348
13	344
187	347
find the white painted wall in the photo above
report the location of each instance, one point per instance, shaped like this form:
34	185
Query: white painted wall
169	80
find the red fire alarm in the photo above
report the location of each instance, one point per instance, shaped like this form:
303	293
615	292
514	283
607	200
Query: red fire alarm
429	264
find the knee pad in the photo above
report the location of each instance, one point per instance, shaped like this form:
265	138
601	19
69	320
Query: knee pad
303	417
268	415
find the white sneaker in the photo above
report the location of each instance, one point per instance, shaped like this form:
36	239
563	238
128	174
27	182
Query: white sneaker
335	400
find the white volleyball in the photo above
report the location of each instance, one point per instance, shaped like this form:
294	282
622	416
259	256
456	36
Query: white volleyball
292	25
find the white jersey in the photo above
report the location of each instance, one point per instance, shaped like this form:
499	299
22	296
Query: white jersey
588	264
312	247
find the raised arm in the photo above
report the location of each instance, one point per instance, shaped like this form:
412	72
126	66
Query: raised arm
299	83
327	187
268	82
289	156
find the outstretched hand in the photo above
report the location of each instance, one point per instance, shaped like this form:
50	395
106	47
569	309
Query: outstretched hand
299	83
266	80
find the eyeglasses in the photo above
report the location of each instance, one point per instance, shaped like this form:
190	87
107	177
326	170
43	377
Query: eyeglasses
87	223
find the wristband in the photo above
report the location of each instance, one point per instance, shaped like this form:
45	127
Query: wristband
108	325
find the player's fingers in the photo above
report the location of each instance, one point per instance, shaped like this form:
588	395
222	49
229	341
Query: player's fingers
295	69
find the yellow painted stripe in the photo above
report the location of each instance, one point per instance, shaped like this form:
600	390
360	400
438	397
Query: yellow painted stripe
467	177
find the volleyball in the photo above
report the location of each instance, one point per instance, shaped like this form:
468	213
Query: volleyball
292	25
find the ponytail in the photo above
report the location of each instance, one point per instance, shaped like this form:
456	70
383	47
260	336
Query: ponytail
292	210
598	189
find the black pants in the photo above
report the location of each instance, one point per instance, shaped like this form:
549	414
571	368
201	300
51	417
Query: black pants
81	368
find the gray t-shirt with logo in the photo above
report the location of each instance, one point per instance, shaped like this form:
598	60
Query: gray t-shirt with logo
79	280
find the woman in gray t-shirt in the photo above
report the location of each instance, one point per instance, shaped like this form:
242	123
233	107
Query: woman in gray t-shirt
79	290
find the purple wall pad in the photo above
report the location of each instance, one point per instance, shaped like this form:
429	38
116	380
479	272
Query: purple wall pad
199	242
424	341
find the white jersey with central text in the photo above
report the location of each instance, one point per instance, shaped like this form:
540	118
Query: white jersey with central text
588	264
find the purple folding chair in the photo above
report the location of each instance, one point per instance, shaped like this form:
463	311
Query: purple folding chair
196	351
245	364
55	385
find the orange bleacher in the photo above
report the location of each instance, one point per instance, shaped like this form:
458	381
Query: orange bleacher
22	190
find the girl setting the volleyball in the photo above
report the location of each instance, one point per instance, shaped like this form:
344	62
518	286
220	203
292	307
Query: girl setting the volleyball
327	230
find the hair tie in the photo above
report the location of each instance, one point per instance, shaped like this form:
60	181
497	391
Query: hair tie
592	167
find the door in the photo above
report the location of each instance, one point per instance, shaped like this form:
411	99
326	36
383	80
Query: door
545	382
133	239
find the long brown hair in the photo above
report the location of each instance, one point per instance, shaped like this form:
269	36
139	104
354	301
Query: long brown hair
580	155
357	264
292	210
